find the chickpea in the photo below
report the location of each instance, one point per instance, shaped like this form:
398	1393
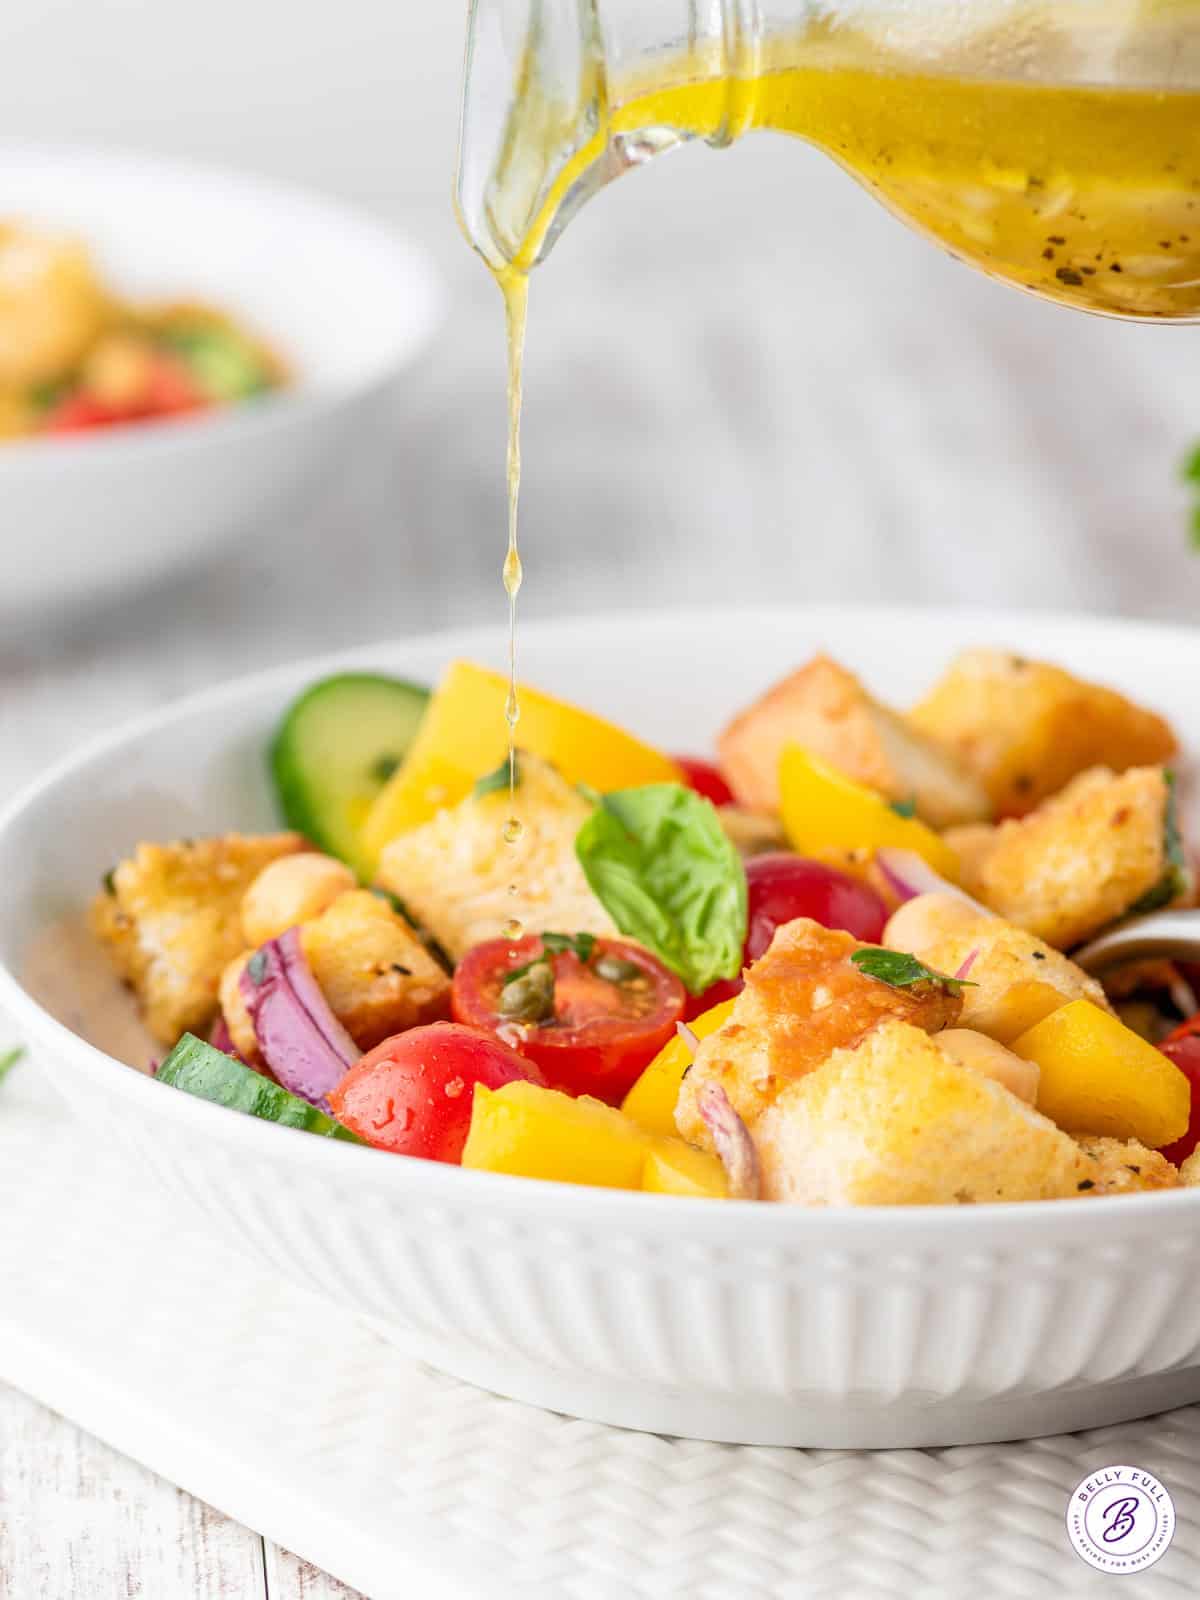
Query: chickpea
233	1009
923	923
291	890
991	1060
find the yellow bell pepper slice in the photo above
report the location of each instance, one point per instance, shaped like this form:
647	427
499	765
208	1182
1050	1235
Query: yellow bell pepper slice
651	1101
673	1167
826	814
542	1133
463	736
1098	1076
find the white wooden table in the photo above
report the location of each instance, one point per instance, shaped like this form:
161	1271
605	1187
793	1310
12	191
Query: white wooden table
829	410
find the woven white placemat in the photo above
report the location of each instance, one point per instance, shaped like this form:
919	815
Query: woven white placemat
300	1422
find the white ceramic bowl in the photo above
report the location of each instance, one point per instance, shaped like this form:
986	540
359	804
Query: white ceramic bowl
755	1323
347	302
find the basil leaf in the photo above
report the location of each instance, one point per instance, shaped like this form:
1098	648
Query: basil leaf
492	782
903	971
660	863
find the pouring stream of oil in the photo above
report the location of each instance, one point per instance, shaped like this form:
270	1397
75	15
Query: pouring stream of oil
515	288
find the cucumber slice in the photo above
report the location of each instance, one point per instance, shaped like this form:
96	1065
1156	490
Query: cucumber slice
336	747
196	1068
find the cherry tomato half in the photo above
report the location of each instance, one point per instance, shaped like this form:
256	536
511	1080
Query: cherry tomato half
1183	1048
169	391
705	778
591	1026
414	1092
780	887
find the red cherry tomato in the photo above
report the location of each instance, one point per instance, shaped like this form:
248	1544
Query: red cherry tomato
1183	1048
79	413
781	887
604	1020
169	391
414	1092
705	778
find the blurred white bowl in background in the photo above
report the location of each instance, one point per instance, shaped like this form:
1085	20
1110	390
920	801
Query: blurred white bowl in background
346	301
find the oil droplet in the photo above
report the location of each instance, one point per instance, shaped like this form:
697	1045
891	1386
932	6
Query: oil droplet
513	829
513	928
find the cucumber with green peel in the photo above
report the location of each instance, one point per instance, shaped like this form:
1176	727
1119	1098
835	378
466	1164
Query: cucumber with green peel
335	748
199	1069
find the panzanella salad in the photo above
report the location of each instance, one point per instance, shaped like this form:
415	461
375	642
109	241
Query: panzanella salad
831	966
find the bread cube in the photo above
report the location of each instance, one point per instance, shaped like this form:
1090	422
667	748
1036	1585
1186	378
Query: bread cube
1025	728
826	710
170	917
1083	859
804	998
1016	979
1123	1166
898	1121
454	873
373	969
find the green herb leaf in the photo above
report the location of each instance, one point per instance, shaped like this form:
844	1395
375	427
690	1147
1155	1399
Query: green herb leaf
1177	878
9	1059
590	794
902	971
383	767
1191	476
109	880
493	782
905	808
581	943
660	863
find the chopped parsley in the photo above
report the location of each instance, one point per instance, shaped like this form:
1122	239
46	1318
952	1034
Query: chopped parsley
493	782
1176	878
1191	476
9	1059
902	971
904	808
582	944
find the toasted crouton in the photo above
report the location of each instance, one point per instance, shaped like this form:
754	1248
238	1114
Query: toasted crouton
1025	728
804	998
1189	1171
1015	979
172	922
236	1012
1123	1166
454	874
825	709
1084	858
898	1121
373	969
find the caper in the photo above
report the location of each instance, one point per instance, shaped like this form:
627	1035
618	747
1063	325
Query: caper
615	969
529	998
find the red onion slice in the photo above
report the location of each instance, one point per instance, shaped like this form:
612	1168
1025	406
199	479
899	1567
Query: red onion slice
965	966
221	1039
688	1036
909	875
732	1139
302	1041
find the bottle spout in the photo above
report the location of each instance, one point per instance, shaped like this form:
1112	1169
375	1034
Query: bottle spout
532	130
